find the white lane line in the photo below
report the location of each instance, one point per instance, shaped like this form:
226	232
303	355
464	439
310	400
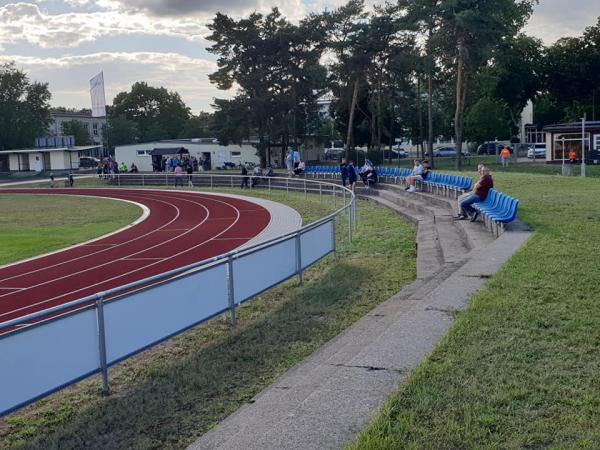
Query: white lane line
123	257
144	216
141	268
93	253
98	245
141	259
11	288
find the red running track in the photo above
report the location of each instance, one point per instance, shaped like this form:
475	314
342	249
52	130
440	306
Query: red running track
182	228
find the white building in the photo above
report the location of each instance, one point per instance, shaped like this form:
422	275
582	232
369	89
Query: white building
44	159
94	125
143	155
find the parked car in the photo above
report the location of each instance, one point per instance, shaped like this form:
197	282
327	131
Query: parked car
334	154
448	151
536	151
396	153
489	148
87	162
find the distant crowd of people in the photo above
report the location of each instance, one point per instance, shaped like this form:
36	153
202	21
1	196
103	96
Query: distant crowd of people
368	173
169	163
109	166
258	175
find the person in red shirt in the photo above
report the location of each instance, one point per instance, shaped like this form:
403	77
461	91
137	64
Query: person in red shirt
480	193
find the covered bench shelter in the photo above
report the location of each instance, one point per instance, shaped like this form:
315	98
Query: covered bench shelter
565	137
45	159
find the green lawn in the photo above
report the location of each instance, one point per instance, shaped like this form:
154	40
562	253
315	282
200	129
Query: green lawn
520	368
170	395
32	225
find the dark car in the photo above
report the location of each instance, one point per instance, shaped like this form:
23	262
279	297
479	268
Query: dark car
448	151
492	148
87	162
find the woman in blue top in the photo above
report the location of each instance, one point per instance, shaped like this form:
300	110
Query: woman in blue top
351	175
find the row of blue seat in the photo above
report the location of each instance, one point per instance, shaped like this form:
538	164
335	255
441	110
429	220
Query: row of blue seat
498	208
434	180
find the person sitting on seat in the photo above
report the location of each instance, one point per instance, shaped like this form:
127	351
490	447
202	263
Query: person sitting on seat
133	169
299	168
479	194
416	174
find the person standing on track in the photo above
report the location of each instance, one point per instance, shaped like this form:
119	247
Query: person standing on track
244	176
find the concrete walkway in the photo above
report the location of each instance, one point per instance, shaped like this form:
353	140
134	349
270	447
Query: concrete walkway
326	400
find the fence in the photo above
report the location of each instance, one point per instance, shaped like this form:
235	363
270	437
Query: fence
46	351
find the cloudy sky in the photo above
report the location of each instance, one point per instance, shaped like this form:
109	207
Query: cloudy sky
66	42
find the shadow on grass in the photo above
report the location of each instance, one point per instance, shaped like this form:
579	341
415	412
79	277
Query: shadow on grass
199	378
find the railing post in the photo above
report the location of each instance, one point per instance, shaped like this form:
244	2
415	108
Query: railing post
166	177
320	193
143	180
299	258
350	224
305	192
230	292
287	185
231	179
119	179
334	197
102	342
333	234
211	180
269	179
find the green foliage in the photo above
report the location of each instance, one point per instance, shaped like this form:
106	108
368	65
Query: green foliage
156	112
487	120
121	131
24	108
78	130
198	126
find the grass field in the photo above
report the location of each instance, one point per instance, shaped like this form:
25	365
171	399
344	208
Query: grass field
168	396
520	369
39	224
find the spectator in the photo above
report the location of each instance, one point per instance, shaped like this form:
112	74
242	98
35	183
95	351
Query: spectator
270	172
479	194
505	156
133	169
299	168
51	179
71	180
178	175
344	171
415	175
572	156
244	176
256	174
190	173
461	197
351	175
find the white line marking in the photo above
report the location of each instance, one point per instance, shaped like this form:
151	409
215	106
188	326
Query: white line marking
88	254
135	270
141	259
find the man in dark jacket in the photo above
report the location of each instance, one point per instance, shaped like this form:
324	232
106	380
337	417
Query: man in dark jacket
244	177
344	171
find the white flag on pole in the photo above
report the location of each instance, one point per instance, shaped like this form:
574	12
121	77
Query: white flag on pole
98	98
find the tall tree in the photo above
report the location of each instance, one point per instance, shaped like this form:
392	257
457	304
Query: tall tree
78	130
24	108
156	112
469	32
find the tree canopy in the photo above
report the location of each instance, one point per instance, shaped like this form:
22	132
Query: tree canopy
24	108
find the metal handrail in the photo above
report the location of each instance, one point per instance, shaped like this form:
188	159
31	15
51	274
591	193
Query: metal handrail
195	267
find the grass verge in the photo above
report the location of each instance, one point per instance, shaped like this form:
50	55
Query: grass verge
34	225
172	394
520	368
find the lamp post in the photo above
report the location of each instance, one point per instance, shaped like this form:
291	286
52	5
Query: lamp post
583	145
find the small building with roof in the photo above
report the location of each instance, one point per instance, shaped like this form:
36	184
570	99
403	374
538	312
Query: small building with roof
147	156
563	138
50	159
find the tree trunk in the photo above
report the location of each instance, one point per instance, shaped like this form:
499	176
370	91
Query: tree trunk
420	113
379	125
391	129
429	120
351	118
460	99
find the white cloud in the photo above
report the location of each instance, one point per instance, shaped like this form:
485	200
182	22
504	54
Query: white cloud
69	76
25	22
